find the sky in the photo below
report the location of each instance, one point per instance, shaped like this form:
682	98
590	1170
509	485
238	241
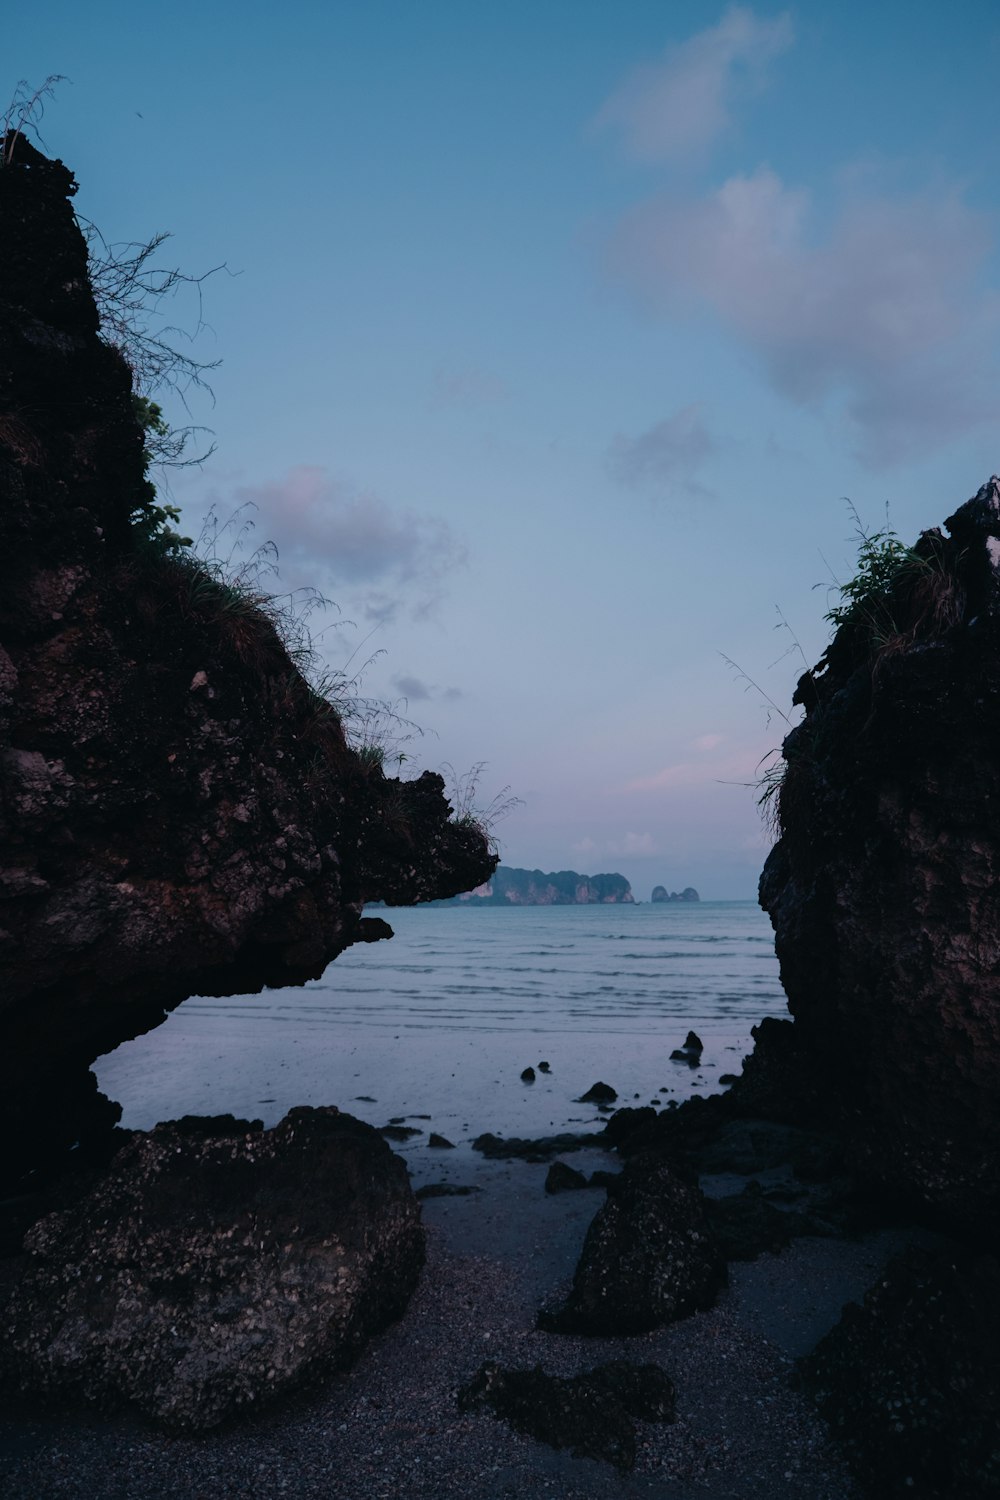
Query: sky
555	337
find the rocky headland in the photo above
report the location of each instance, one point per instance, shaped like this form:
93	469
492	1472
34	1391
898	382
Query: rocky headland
181	811
513	887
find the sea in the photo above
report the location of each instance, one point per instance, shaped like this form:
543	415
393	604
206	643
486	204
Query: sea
434	1028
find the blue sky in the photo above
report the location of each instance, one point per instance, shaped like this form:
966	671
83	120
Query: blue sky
557	334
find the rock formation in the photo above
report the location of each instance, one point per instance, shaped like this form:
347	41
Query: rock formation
179	811
884	887
512	887
660	893
648	1258
215	1266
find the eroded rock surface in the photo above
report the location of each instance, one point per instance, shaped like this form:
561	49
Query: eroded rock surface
649	1257
179	811
211	1271
884	888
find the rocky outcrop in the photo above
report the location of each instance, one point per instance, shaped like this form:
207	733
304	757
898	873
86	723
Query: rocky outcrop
660	893
512	887
884	887
910	1382
210	1270
649	1257
180	812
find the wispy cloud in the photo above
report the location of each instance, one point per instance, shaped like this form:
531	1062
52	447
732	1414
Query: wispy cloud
633	843
866	303
681	104
737	764
467	386
666	456
620	846
884	310
349	542
415	690
683	774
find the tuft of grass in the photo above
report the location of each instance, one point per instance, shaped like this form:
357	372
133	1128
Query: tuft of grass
768	786
228	583
467	812
896	596
866	599
897	593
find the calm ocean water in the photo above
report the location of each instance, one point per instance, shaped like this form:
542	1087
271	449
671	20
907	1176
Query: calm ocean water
440	1021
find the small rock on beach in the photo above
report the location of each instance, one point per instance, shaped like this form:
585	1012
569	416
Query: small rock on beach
599	1093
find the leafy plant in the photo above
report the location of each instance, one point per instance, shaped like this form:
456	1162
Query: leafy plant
155	521
128	288
866	599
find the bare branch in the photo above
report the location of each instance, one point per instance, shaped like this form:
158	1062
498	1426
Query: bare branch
129	289
25	110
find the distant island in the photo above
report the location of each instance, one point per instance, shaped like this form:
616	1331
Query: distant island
660	893
509	887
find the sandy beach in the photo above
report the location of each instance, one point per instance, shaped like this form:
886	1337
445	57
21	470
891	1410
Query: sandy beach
390	1428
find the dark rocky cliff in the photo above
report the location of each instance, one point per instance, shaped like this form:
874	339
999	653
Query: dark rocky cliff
179	812
884	887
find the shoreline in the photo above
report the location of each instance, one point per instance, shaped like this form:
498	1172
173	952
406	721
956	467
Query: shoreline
390	1426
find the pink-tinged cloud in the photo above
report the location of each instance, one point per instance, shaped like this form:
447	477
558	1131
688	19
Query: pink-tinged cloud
681	104
679	775
353	545
632	844
884	309
666	457
708	741
739	766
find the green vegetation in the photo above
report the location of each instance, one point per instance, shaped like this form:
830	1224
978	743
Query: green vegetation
153	521
898	595
214	585
866	599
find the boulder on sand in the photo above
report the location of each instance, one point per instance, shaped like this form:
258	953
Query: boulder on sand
207	1273
691	1051
562	1178
599	1093
648	1258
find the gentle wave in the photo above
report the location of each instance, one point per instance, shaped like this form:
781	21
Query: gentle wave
446	1016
